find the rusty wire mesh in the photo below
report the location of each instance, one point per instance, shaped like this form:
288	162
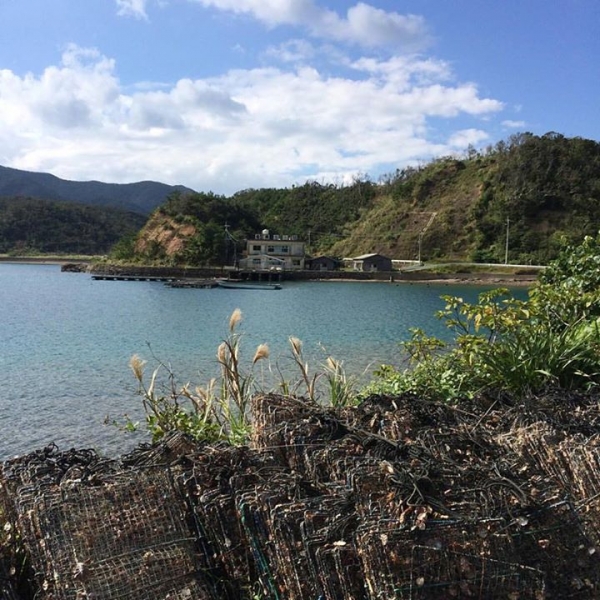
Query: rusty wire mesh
396	498
445	559
104	535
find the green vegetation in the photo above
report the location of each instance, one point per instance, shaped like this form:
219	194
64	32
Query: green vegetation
537	190
220	410
321	212
531	191
140	197
190	228
29	226
504	345
541	188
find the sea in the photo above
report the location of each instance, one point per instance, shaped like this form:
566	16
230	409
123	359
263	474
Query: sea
66	341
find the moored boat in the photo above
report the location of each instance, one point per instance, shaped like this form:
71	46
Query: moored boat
247	285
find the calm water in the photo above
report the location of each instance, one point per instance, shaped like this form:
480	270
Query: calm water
66	341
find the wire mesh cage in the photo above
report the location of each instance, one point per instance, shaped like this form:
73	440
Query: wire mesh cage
448	560
125	538
396	498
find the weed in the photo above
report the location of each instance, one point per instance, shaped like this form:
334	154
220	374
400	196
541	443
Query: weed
220	410
522	347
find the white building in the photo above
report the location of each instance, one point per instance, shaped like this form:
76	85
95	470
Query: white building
268	252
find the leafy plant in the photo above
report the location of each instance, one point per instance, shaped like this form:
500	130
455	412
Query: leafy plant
501	343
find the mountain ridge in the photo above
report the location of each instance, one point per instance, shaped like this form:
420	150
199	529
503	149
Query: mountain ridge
515	201
141	196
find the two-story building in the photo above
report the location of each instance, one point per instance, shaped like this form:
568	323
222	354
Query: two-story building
273	252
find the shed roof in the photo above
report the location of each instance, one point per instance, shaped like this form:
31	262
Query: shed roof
365	256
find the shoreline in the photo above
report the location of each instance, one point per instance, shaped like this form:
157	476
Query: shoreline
435	279
43	260
70	264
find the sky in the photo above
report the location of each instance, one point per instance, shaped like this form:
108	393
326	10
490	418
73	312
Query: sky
227	95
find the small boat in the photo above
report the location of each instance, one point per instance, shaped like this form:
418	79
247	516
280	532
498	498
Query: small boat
193	283
247	285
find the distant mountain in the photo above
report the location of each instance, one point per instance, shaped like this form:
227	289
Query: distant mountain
141	197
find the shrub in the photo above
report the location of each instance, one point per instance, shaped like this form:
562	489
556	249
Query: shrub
505	344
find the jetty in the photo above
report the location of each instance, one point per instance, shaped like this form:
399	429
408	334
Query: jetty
111	272
204	284
131	278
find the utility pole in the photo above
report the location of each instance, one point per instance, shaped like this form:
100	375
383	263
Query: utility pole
228	240
506	248
420	243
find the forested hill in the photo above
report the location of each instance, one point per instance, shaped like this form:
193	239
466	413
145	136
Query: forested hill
532	191
141	197
539	189
29	225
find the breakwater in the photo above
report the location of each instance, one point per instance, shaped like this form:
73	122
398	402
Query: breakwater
107	271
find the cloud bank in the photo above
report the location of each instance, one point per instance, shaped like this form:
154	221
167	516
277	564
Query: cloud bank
363	24
269	126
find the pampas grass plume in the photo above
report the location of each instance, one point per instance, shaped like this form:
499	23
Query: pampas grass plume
262	351
234	320
137	366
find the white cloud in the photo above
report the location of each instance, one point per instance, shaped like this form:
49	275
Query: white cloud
246	128
363	24
132	8
514	124
292	51
467	137
271	12
371	26
405	72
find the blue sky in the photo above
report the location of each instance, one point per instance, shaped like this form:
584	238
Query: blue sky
224	95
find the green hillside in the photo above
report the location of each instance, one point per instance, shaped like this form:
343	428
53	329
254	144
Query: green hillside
538	189
28	225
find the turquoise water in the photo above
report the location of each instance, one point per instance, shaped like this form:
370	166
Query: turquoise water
66	341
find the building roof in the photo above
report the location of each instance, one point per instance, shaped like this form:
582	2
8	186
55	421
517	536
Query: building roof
365	256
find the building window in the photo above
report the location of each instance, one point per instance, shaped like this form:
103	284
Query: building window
296	262
256	261
285	249
270	249
256	248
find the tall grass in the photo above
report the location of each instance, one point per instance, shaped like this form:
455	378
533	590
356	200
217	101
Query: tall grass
220	409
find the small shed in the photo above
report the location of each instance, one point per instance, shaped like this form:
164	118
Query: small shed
324	263
372	262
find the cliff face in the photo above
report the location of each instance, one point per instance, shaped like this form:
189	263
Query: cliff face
162	231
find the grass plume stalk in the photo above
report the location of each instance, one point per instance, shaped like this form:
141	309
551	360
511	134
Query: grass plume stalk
310	383
220	410
341	390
